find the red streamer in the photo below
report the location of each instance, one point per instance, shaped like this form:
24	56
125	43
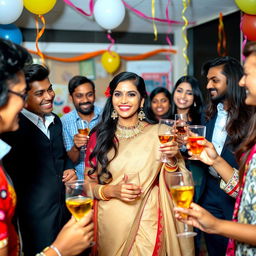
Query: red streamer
79	9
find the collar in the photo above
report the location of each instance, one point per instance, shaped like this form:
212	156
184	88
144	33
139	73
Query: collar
48	119
4	149
96	112
220	107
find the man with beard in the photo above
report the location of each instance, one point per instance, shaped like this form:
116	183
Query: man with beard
225	118
38	165
82	93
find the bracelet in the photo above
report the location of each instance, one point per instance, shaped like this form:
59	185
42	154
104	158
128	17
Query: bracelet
42	253
169	168
56	249
101	193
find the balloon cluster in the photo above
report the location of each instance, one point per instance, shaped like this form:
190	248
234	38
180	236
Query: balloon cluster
10	11
248	23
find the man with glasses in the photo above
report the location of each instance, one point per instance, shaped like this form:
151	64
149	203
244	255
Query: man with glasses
38	164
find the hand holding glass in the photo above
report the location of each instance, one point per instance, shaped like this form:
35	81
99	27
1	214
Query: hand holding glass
166	133
182	191
79	198
82	128
196	133
181	126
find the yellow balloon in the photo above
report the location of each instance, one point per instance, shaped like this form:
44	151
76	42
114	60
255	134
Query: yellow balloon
39	6
110	61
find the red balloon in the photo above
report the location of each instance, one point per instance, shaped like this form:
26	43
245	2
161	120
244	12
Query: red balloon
249	26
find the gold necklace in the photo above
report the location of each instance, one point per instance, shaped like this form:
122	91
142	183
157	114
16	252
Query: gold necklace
124	132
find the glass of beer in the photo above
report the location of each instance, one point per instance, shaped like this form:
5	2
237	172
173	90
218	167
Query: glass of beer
196	133
166	133
79	198
82	128
181	187
181	128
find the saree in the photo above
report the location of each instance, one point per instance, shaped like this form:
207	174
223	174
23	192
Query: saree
146	226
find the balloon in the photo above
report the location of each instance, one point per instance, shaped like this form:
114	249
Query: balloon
109	14
10	10
39	6
247	6
110	61
11	32
248	26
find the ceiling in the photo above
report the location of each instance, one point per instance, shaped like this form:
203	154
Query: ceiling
64	17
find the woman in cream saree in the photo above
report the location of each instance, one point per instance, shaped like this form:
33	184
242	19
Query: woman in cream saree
146	225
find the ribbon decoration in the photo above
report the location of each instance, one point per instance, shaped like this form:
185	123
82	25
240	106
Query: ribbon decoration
39	34
79	9
221	45
153	16
168	40
245	39
111	39
90	55
184	34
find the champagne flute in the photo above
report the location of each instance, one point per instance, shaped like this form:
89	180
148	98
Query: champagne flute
166	132
82	128
181	127
182	191
79	198
196	133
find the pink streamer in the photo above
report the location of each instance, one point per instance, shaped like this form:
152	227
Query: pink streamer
79	9
151	18
169	41
244	41
110	38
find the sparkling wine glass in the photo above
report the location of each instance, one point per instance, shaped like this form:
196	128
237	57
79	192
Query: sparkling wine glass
166	132
196	133
181	187
181	128
79	198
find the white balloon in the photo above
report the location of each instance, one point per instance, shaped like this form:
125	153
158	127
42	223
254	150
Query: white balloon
10	10
109	14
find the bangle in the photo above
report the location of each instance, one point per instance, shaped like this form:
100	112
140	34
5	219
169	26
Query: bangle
42	253
101	193
168	168
56	249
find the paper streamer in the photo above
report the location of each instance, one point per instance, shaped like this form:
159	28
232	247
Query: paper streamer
39	34
79	9
153	16
90	55
110	38
184	33
221	45
245	39
169	41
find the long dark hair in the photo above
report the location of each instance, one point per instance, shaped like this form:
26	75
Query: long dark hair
196	108
148	109
245	147
238	112
105	130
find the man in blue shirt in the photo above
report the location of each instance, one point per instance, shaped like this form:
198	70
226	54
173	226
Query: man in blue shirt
82	92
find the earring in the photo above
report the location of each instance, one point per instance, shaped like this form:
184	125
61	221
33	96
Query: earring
141	114
114	115
194	104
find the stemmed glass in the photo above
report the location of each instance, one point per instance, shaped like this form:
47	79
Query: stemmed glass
82	128
196	133
181	127
166	132
181	187
79	198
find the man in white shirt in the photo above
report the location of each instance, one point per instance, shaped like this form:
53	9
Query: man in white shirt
38	165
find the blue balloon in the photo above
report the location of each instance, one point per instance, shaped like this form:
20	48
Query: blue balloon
11	32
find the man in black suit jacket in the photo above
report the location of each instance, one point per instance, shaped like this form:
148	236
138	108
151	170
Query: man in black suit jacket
38	165
225	117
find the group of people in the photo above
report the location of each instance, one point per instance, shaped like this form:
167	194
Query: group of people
41	152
